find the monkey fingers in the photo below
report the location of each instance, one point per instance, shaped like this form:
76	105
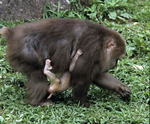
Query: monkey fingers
111	83
46	102
124	91
50	95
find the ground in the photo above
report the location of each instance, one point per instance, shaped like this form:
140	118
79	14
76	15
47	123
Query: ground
132	20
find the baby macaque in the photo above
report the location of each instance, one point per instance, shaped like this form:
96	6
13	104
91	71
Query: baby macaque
61	84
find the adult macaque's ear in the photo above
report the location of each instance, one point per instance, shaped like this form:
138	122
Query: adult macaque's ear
111	44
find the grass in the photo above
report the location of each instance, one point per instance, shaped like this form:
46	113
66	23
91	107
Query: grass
132	20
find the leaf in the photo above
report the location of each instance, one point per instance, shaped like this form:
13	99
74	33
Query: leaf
19	120
136	40
112	15
126	15
1	119
93	8
148	25
130	50
110	2
102	8
138	67
92	15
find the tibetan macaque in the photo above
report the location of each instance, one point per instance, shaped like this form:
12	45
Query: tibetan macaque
29	45
61	84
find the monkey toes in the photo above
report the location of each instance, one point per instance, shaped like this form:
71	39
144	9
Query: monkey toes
47	63
87	105
46	102
47	67
79	52
123	90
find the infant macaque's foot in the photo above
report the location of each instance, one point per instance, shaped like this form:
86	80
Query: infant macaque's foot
79	52
75	58
47	67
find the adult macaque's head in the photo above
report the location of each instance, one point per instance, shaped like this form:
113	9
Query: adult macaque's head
114	47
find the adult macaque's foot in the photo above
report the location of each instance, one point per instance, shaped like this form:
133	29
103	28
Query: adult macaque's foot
47	67
123	90
46	102
87	105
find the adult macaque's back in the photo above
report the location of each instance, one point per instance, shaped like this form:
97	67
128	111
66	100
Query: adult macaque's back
29	45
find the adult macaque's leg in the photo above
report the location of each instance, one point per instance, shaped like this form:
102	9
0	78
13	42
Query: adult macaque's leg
37	89
111	83
80	92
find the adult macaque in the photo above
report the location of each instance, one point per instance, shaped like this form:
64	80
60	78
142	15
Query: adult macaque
29	45
61	84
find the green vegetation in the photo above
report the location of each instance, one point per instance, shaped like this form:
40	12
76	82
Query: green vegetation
129	17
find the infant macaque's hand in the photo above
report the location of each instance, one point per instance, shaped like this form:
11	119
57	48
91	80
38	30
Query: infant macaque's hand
50	95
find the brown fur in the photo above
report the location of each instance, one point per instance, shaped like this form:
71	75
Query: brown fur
29	45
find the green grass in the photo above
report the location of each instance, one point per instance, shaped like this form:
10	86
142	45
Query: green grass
132	20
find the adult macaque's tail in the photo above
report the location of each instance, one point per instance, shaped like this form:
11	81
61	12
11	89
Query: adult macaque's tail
5	32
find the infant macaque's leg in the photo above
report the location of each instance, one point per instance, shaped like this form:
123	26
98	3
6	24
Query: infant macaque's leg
62	84
65	78
75	58
55	81
52	77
